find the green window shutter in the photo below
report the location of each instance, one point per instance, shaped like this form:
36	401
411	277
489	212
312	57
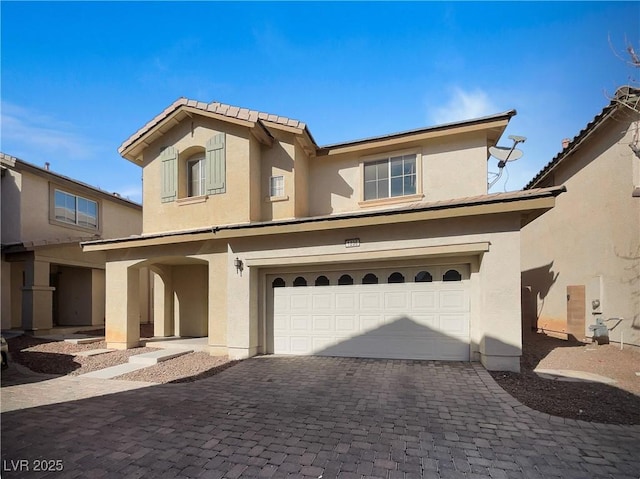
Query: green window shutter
215	165
169	165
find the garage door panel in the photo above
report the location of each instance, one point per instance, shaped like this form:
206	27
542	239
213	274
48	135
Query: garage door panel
345	300
300	323
428	320
424	300
322	301
454	324
453	300
396	301
300	301
346	323
369	322
323	323
300	345
321	343
370	300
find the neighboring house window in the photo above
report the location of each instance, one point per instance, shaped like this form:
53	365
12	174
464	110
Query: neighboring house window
196	176
394	176
76	210
276	186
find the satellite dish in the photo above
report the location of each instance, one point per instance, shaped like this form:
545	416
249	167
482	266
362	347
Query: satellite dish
504	153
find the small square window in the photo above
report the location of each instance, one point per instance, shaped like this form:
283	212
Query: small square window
276	186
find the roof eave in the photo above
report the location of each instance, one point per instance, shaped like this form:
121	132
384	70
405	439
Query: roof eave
497	123
525	203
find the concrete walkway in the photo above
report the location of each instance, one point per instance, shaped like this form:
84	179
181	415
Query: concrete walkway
274	417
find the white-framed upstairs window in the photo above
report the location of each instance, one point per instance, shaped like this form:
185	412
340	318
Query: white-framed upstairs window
390	177
276	186
196	176
75	210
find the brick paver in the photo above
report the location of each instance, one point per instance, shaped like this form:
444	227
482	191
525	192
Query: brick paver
307	417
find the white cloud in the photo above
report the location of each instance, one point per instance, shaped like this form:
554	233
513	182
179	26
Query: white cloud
463	105
31	131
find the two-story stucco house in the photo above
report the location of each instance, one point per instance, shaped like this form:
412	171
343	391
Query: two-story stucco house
265	242
582	259
47	280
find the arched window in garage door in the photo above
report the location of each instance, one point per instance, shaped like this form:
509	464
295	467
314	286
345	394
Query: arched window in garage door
423	277
345	280
299	281
322	281
370	278
452	275
395	278
278	283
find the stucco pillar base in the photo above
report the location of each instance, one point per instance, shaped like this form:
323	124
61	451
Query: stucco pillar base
241	353
218	350
128	345
500	363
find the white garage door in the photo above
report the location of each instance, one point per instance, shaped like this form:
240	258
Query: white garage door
410	313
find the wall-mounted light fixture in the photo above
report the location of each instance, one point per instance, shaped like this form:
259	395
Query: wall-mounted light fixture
238	264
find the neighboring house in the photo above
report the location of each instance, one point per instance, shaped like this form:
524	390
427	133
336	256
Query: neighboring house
265	242
583	258
47	280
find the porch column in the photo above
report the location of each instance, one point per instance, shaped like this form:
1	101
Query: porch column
37	297
122	305
242	311
163	302
218	304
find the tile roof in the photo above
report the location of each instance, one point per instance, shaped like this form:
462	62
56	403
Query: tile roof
491	198
218	108
625	94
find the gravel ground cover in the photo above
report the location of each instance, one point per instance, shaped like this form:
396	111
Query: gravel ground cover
588	401
619	404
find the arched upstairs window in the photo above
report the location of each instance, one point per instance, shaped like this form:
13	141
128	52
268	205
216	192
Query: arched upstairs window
278	283
370	278
424	277
299	281
345	280
452	275
395	278
322	281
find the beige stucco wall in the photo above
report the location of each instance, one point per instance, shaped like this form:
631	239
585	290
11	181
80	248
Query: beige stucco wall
10	206
236	299
191	300
495	308
451	167
455	167
591	237
115	219
279	160
185	213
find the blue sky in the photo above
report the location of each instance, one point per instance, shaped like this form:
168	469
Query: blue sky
79	78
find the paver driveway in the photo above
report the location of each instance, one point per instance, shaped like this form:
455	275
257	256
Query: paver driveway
317	417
